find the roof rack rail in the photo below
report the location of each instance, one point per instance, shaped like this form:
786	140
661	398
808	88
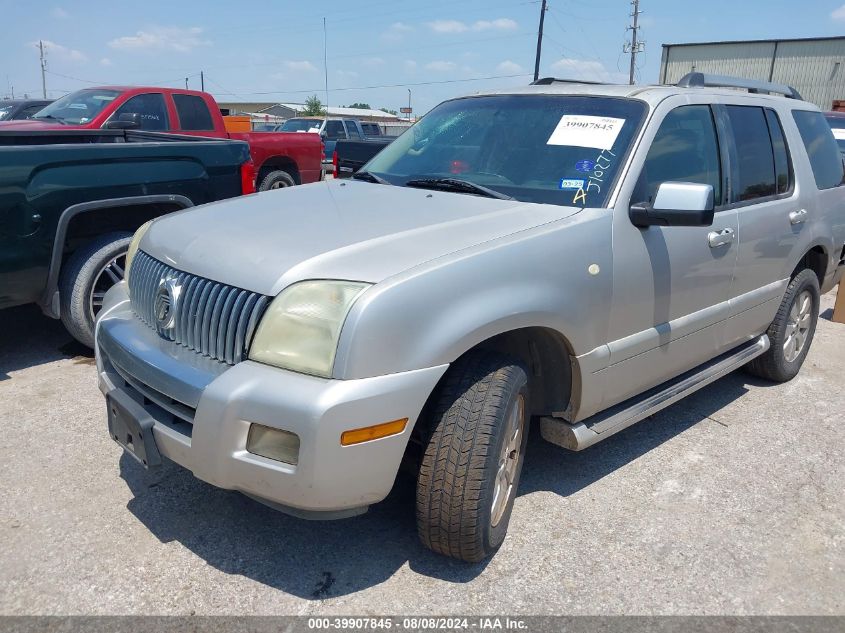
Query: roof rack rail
547	81
700	80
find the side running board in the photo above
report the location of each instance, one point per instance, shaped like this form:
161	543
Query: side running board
580	435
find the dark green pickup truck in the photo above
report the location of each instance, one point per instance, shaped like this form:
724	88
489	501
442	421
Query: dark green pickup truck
70	201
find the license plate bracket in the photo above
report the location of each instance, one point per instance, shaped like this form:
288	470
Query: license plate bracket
132	427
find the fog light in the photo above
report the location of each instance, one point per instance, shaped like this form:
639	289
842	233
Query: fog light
356	436
283	446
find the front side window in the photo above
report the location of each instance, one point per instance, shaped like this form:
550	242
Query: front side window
78	107
685	149
151	109
193	112
822	150
551	149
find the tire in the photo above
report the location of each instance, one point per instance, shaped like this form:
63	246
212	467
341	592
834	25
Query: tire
85	277
782	361
276	180
470	425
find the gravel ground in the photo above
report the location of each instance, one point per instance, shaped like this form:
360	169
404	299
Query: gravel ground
730	502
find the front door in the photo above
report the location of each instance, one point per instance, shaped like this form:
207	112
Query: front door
671	285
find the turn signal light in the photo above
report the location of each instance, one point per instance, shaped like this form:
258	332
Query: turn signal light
356	436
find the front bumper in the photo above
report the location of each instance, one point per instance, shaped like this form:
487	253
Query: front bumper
203	410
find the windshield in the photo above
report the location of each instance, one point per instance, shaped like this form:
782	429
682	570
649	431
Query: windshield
78	107
301	125
5	111
837	124
550	149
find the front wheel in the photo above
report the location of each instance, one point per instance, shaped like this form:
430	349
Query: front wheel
470	470
791	333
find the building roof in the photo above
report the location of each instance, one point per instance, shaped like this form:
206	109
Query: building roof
346	112
772	39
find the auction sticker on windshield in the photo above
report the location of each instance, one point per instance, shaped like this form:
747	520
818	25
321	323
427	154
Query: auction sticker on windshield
582	130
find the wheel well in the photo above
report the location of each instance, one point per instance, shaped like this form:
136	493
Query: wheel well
816	260
90	224
277	163
546	355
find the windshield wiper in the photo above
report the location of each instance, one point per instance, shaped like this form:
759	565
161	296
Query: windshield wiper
369	177
457	185
50	116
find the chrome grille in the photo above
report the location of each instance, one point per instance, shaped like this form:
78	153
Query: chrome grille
212	319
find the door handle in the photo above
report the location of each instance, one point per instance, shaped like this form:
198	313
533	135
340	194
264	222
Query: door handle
720	238
798	217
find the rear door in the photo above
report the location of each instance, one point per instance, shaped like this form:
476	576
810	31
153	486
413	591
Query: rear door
772	214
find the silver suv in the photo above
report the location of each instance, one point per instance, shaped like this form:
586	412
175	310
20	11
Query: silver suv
577	255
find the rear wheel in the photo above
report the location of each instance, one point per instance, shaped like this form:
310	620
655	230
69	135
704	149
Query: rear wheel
473	458
276	180
791	333
85	279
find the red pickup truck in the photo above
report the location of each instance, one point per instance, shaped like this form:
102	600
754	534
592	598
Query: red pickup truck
281	159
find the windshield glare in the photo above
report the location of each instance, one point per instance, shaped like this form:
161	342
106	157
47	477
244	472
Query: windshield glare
300	125
78	107
550	149
5	111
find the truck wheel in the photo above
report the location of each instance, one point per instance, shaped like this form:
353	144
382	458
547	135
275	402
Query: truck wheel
276	180
470	470
791	333
85	278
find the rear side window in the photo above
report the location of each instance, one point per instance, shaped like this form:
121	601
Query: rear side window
193	112
824	155
684	149
334	130
150	107
783	165
754	176
352	130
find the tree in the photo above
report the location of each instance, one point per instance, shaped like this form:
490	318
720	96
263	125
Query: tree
362	106
393	112
313	107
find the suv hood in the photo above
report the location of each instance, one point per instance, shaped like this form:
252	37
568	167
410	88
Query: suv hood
332	230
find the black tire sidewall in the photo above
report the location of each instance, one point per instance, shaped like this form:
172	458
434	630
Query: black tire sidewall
276	176
806	280
78	276
494	536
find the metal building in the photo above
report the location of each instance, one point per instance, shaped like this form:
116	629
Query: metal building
814	66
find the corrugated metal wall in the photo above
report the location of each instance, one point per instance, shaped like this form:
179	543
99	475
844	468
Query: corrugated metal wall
815	68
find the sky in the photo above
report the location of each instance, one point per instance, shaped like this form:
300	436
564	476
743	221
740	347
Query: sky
376	50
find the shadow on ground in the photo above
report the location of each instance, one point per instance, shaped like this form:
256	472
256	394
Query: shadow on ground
28	338
317	560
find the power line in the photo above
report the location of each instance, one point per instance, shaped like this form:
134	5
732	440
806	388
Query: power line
403	85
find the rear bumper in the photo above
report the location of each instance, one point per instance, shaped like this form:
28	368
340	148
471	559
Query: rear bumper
203	411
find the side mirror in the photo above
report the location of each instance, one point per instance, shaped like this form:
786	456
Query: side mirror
125	121
676	204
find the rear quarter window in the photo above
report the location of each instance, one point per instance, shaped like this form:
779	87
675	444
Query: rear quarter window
825	159
193	113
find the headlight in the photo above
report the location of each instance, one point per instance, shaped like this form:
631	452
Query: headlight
300	329
133	247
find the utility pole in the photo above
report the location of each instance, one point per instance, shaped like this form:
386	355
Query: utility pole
409	105
43	69
326	64
543	10
186	83
202	81
636	46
